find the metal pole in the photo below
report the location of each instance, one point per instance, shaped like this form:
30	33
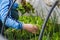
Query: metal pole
46	20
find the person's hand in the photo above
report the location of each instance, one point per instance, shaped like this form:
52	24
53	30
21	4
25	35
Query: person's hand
31	28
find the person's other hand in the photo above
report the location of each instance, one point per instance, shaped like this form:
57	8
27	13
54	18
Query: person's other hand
31	28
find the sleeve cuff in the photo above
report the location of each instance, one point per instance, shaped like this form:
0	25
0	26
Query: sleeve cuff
20	25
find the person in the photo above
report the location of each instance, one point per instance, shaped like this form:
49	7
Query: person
10	21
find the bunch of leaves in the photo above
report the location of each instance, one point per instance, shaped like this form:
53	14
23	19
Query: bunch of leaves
51	32
26	8
14	34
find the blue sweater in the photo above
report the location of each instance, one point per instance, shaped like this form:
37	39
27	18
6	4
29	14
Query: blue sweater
4	6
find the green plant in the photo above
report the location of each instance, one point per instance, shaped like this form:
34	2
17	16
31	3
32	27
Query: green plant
26	8
14	34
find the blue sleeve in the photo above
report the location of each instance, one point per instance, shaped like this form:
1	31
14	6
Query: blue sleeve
4	5
13	24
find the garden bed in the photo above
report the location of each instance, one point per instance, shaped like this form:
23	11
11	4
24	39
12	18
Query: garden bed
51	31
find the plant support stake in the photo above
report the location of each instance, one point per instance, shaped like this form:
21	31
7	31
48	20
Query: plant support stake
46	20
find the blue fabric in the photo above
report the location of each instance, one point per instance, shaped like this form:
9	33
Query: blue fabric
15	6
4	6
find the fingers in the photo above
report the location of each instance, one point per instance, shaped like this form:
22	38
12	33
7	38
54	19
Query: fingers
31	28
34	32
35	29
